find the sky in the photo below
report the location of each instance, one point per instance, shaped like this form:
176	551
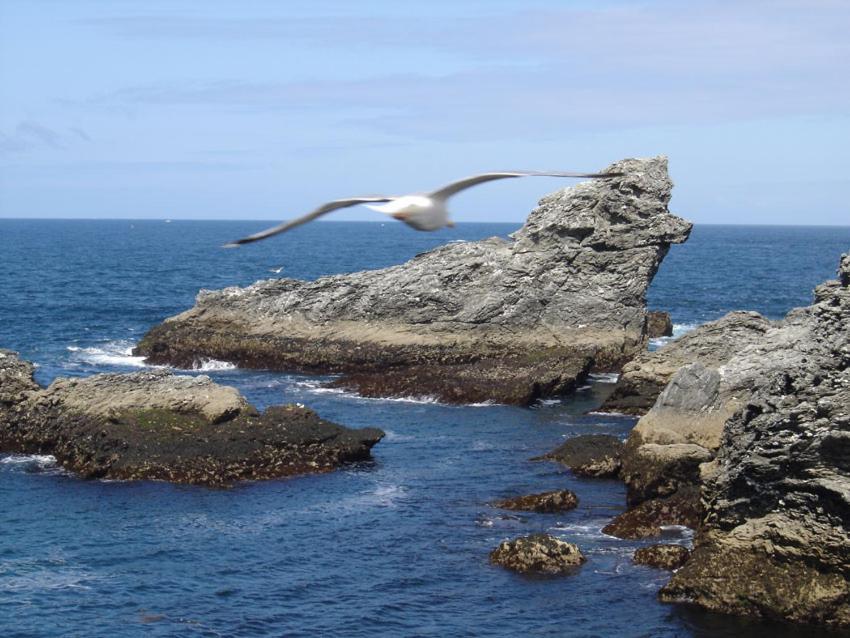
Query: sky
263	110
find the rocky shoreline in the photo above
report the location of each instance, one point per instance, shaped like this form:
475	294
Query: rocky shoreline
507	321
748	444
159	426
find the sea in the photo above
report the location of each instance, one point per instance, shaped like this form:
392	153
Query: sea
394	547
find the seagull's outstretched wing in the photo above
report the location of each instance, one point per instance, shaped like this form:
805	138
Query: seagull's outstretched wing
462	184
321	210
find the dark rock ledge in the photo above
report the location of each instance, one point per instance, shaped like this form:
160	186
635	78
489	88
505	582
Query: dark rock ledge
542	503
161	426
509	321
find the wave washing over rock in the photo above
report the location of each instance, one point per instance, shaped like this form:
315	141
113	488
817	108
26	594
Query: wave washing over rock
494	320
157	425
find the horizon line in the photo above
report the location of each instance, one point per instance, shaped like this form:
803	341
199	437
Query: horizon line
364	221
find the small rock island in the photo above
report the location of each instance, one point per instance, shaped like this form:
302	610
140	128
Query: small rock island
162	426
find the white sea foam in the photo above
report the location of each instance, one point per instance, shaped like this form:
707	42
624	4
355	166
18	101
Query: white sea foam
38	463
212	365
111	353
41	460
678	330
604	377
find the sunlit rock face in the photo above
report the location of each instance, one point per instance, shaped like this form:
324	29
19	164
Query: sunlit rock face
506	320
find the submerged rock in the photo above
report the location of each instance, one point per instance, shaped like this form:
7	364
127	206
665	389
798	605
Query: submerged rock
538	554
505	320
596	455
156	425
669	557
775	541
543	503
711	344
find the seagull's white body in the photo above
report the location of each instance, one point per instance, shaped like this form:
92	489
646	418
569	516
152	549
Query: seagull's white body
419	211
422	211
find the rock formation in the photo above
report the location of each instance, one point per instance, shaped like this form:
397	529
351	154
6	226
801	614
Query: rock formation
711	344
662	556
647	519
775	541
503	320
658	324
543	503
156	425
596	455
538	554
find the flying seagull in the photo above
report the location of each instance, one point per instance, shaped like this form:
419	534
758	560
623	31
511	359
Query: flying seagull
426	211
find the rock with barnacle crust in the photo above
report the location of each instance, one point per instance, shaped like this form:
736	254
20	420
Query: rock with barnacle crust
162	426
538	554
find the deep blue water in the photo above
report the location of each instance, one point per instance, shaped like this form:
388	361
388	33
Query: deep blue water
394	547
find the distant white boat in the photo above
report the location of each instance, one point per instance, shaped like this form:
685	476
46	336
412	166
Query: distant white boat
167	221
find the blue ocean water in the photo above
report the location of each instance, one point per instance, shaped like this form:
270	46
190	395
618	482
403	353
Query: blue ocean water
393	547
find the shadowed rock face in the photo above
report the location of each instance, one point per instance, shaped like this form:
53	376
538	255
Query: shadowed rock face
775	541
156	425
502	320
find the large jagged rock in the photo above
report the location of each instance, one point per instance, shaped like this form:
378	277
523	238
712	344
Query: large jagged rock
666	448
775	541
156	425
711	344
502	320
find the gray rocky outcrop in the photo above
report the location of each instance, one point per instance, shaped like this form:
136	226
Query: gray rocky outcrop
596	455
775	538
542	503
710	344
506	320
157	425
538	554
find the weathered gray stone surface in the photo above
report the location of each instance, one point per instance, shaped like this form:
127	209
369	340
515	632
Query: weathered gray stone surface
775	541
711	344
157	425
538	554
513	320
